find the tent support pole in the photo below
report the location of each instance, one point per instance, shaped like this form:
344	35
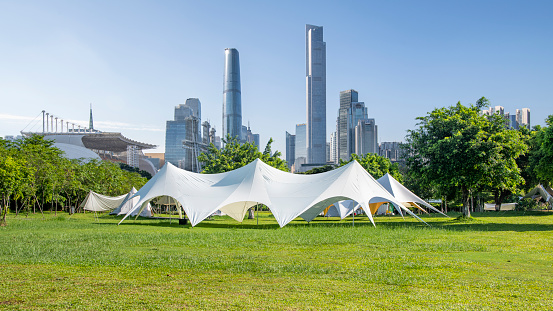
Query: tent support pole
257	210
353	219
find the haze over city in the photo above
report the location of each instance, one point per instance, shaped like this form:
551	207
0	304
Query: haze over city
136	60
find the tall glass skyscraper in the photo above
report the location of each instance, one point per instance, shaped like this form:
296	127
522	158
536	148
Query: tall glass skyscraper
232	97
186	121
315	72
290	149
301	143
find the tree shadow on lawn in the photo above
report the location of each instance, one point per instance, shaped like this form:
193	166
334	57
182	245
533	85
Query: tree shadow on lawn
450	224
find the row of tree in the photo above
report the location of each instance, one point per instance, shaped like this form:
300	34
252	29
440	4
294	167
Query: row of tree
459	151
35	175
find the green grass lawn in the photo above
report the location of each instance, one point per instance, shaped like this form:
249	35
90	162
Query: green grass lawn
498	261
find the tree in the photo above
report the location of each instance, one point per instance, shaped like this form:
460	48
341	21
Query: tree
13	177
235	155
457	148
541	160
506	146
376	165
320	169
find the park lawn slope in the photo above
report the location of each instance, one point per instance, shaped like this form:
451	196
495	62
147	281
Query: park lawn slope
497	261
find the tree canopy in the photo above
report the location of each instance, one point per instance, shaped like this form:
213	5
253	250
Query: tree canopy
235	155
542	157
33	172
458	148
376	165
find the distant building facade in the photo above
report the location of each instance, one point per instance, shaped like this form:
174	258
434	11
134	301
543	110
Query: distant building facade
355	132
513	121
391	150
184	128
290	149
301	143
366	133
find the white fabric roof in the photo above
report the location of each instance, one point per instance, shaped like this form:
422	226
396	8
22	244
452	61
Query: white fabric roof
127	204
342	209
540	190
96	202
401	193
504	206
287	195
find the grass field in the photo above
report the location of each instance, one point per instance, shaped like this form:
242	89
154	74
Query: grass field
497	261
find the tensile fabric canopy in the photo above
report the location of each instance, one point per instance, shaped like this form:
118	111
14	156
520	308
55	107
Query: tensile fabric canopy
287	195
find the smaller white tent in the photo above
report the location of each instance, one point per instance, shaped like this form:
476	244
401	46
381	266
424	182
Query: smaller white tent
504	206
341	209
96	202
541	192
402	194
127	204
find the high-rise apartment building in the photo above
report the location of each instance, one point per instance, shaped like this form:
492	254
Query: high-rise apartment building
315	72
366	137
343	128
391	150
525	117
290	149
333	148
232	97
301	143
185	126
350	113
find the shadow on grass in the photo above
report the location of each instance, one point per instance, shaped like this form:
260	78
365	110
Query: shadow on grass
388	222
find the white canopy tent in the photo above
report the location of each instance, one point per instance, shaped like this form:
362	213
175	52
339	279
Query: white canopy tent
541	192
504	206
96	202
287	195
341	209
402	194
127	204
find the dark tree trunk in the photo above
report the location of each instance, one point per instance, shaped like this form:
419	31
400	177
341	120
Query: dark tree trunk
498	197
466	201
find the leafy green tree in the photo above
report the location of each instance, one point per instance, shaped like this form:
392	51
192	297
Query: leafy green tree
235	155
542	157
14	175
376	165
506	146
458	148
320	169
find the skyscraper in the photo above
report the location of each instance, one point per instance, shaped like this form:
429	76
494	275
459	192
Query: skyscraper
366	137
90	121
525	118
349	113
333	148
290	149
232	97
186	121
301	147
315	72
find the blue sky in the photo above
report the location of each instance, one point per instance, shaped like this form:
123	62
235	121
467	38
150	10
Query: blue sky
135	60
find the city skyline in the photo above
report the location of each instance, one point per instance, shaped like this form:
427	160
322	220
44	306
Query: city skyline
135	61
